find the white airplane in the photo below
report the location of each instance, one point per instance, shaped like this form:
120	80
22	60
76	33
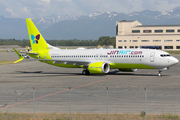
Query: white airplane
96	61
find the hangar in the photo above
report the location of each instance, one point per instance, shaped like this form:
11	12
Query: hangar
132	34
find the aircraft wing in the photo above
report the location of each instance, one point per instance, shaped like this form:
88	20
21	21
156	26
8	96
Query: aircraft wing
55	61
72	62
32	53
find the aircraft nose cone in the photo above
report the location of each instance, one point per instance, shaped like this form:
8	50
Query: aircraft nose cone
175	61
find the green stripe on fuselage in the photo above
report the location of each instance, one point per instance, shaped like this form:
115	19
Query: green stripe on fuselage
130	66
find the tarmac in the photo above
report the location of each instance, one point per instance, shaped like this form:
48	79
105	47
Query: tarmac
51	84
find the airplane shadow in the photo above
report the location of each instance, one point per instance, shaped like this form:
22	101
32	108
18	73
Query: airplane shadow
132	74
29	72
45	74
114	73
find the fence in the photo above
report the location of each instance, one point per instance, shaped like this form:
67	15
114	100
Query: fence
97	100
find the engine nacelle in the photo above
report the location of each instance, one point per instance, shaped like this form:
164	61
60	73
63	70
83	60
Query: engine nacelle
99	67
127	70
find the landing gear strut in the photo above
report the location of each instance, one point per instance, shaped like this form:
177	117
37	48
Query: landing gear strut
85	72
159	73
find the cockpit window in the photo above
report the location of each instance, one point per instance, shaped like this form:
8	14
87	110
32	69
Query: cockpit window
165	55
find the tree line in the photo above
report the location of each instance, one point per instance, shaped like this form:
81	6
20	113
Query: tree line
104	40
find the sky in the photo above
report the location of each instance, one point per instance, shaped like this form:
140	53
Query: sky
41	8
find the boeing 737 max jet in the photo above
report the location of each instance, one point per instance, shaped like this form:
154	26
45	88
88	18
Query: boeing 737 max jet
96	61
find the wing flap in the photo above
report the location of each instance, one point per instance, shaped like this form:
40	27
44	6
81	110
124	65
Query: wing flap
72	62
32	53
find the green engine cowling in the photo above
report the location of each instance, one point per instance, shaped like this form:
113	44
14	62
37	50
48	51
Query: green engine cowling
99	67
127	70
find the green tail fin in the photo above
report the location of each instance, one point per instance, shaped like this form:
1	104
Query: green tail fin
20	56
36	39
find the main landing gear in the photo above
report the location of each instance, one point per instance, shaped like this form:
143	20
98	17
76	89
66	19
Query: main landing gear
85	72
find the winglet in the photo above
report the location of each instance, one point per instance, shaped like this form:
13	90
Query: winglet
20	56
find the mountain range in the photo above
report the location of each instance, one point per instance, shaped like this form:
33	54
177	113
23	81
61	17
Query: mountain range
84	27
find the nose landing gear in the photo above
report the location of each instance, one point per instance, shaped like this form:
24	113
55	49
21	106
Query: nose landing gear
159	73
160	70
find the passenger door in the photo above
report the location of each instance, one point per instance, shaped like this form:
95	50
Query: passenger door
152	57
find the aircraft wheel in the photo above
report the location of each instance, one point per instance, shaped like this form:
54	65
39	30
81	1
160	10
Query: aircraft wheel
159	74
85	72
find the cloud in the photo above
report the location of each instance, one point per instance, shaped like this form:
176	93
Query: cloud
64	0
173	1
11	12
43	2
26	12
39	8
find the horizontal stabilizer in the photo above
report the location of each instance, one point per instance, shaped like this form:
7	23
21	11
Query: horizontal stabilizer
18	60
20	56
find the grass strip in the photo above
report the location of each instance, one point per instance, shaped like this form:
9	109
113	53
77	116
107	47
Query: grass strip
173	52
5	62
79	116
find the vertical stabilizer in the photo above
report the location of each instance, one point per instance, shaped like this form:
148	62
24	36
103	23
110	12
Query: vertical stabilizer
36	39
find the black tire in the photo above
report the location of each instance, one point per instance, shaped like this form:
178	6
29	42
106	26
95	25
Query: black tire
84	72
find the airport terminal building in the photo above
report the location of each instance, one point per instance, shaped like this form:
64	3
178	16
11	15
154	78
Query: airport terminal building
132	34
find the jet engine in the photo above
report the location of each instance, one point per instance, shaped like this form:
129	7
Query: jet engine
99	67
127	70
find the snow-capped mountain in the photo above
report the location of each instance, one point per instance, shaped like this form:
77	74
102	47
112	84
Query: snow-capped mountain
90	26
106	15
146	13
47	21
172	13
